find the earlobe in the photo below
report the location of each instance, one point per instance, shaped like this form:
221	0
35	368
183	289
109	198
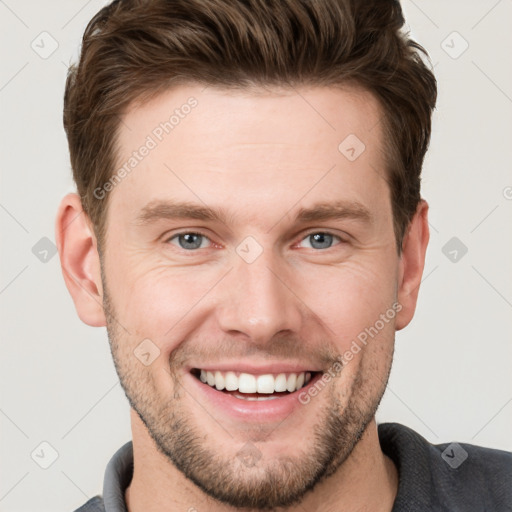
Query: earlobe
79	259
411	264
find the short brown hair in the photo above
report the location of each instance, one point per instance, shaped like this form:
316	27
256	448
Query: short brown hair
135	49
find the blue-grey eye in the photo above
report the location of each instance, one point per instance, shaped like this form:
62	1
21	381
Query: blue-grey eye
321	240
189	241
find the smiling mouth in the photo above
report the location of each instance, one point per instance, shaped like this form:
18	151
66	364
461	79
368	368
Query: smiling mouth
246	386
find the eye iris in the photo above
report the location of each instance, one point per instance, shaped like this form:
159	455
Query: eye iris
320	240
190	240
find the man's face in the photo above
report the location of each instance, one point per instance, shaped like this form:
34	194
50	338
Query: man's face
276	285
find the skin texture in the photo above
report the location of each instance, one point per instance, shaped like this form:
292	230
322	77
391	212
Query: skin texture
260	156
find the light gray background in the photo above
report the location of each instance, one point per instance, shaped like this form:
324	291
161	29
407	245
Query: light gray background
451	379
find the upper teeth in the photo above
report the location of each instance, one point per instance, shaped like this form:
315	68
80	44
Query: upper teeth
248	383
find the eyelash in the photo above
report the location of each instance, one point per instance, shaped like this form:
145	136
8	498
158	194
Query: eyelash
176	235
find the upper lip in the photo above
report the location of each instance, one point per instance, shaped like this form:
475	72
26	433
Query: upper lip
257	369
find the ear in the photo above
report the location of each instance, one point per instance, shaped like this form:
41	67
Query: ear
411	264
79	260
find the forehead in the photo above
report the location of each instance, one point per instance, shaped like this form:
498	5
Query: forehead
268	145
253	116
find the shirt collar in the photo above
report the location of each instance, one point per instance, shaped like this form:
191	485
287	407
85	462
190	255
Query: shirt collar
118	476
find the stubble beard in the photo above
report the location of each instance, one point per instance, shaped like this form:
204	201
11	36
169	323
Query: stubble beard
268	483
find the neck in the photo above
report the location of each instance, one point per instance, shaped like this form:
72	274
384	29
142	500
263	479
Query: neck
367	480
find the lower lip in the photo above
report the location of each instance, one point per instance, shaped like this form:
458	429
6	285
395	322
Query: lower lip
275	409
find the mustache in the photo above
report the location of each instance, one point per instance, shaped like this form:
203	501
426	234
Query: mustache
320	353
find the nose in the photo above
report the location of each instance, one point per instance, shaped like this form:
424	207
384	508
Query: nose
257	300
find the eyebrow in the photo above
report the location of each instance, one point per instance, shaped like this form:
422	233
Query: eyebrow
171	210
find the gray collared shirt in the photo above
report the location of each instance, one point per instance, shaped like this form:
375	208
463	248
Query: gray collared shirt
448	477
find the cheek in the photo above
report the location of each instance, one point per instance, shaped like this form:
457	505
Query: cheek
351	299
156	303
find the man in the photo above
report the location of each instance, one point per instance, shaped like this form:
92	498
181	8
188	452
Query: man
249	227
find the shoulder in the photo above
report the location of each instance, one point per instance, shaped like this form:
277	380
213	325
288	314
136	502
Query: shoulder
451	476
93	505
